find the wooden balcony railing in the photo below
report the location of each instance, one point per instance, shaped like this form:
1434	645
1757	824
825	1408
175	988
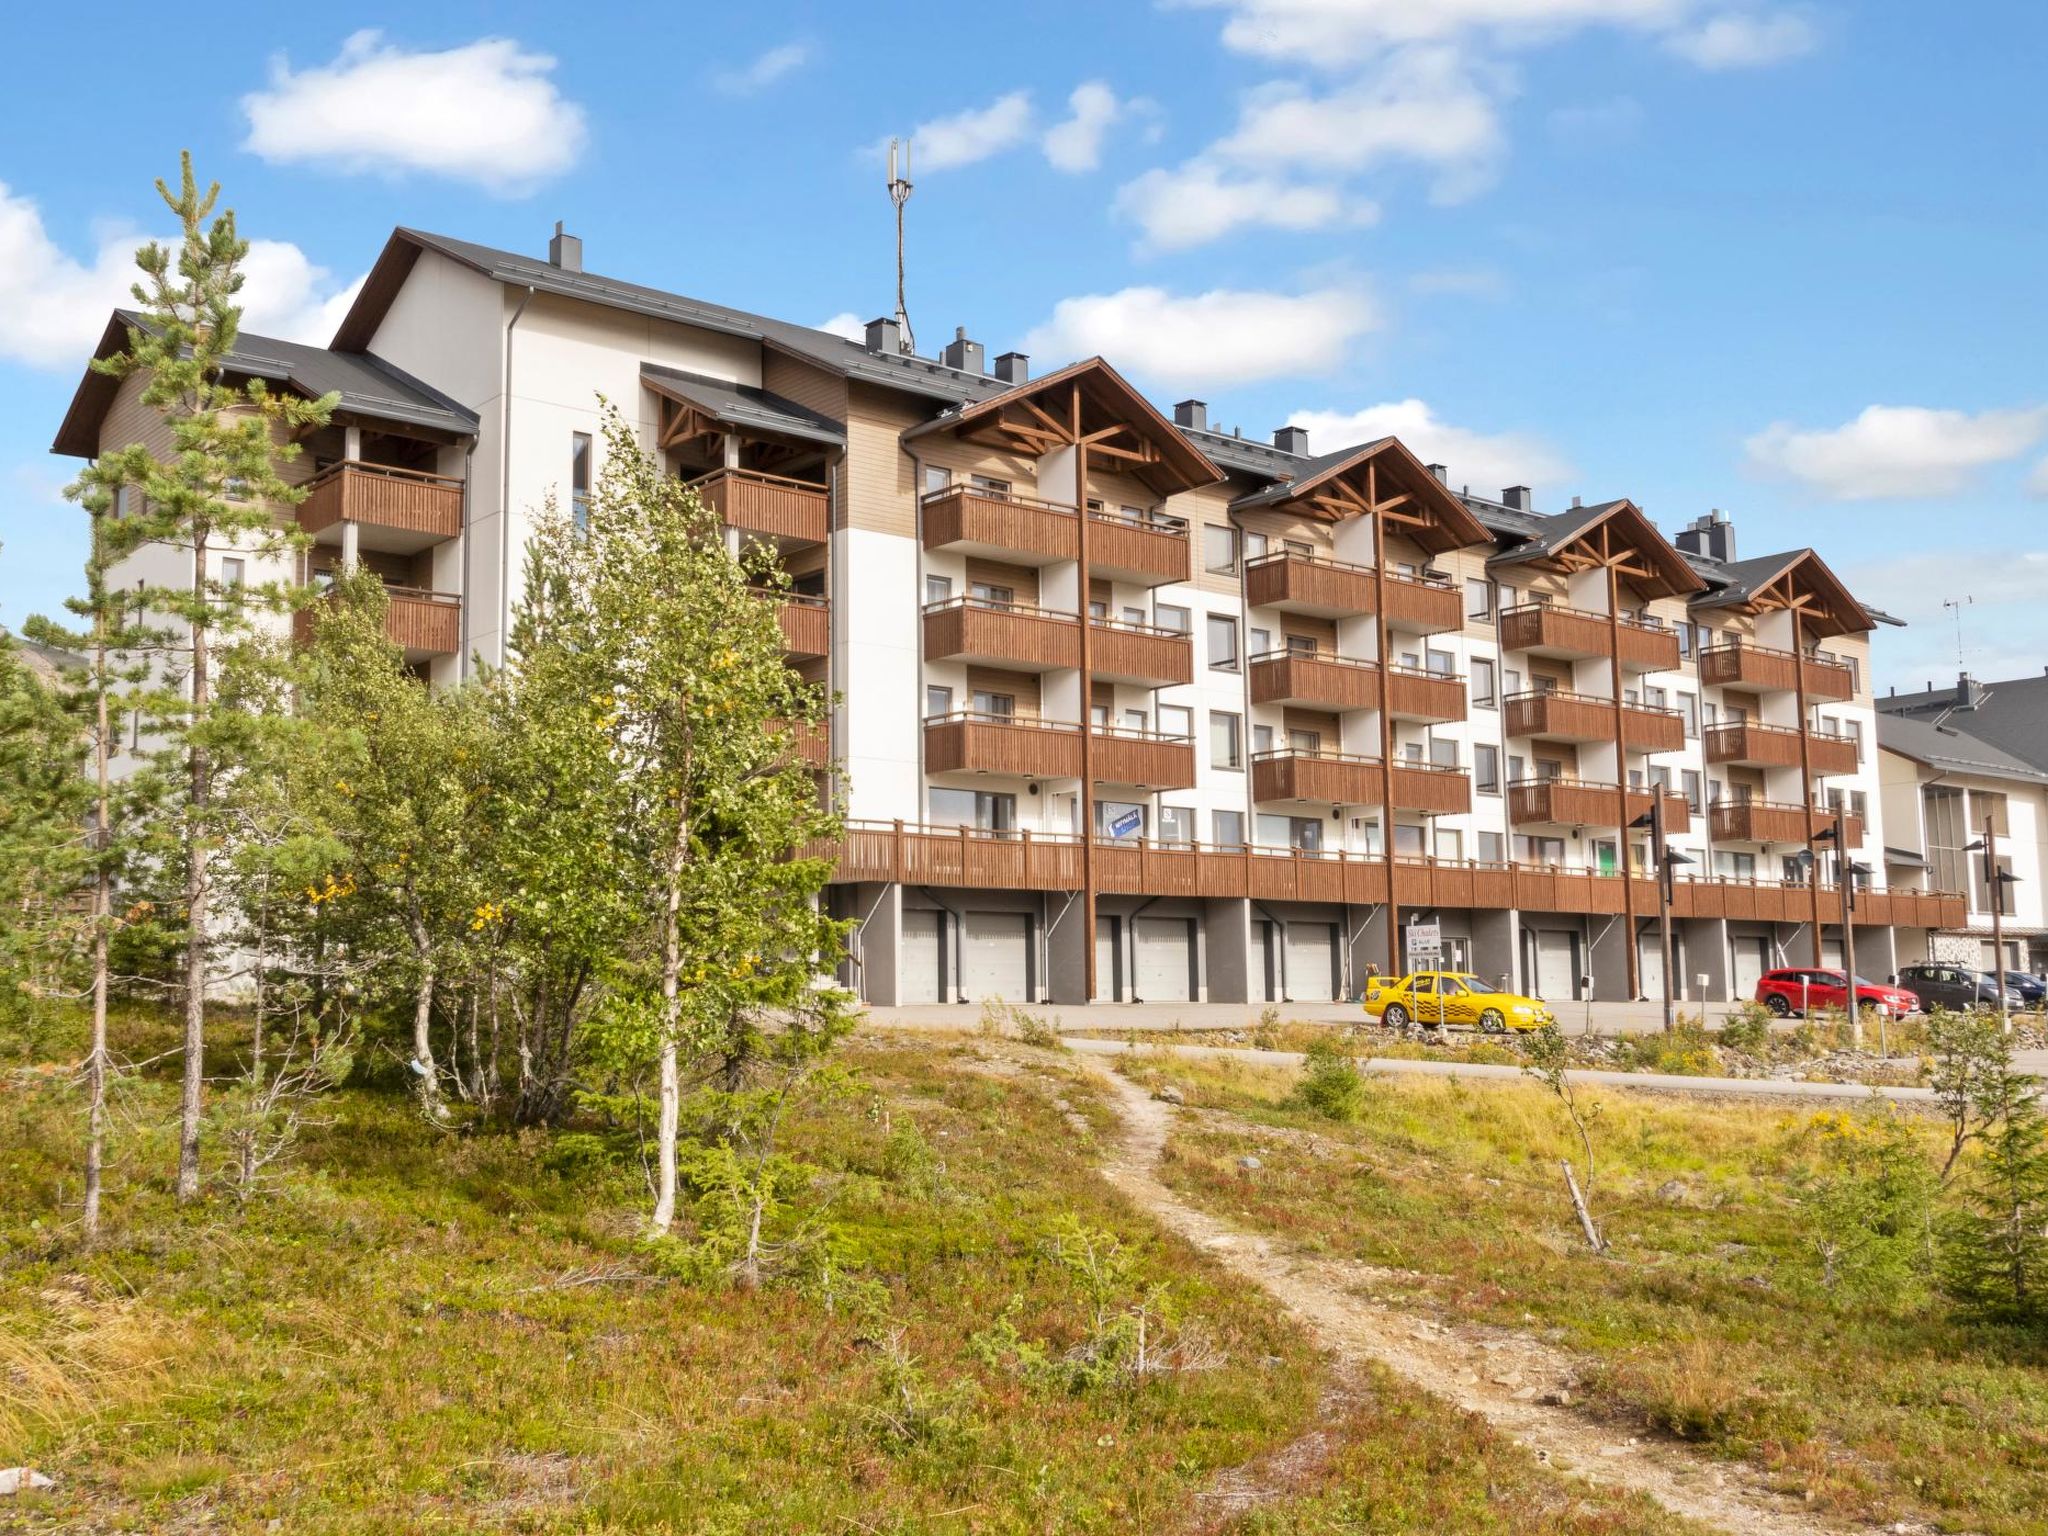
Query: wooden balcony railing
1148	550
1000	524
1344	778
1315	584
1763	669
806	622
1773	821
422	624
1145	654
420	508
774	505
1555	715
966	742
1750	743
1551	629
1146	759
1324	680
1018	636
903	853
1581	803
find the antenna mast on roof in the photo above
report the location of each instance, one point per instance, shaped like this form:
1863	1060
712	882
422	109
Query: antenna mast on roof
899	194
1958	604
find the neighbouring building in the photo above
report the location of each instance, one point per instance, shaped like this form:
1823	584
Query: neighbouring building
1129	704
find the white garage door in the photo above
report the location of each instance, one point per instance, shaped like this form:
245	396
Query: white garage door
1650	965
920	958
1311	962
1554	979
1108	962
995	957
1165	958
1752	959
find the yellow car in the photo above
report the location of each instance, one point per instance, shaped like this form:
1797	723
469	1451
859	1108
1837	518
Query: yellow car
1430	998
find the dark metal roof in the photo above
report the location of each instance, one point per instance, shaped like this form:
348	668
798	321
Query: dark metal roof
1244	455
1952	750
368	386
744	405
1905	858
1553	532
2009	717
1305	472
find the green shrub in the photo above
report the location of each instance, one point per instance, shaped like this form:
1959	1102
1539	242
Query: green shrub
1330	1084
1748	1030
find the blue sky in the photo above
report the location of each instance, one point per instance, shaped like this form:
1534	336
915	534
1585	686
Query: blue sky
1775	257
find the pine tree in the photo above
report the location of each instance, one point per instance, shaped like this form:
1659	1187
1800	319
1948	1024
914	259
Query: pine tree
1995	1250
219	487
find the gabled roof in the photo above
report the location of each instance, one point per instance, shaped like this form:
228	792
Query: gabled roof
2011	716
369	387
1951	750
1335	485
849	359
1748	584
1619	528
1090	391
743	406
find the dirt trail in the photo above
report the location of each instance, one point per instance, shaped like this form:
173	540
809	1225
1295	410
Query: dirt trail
1499	1375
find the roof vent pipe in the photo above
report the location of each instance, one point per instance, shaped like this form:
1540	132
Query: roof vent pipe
565	250
1192	414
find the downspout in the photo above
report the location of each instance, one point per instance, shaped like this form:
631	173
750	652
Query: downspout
505	488
917	683
468	589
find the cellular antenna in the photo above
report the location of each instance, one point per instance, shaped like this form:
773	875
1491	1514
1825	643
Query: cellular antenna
899	194
1958	604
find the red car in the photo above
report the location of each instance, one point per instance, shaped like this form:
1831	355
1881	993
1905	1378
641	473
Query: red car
1802	991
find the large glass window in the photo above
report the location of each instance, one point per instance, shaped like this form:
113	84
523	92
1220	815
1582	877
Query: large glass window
1176	824
1479	599
1227	828
973	808
1169	616
1219	549
1486	768
1176	720
937	589
1483	690
1222	643
1119	819
1226	739
937	700
579	479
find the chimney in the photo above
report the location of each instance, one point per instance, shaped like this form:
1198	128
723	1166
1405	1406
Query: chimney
1577	503
1192	414
1970	694
565	250
1291	440
961	353
1013	368
885	337
1711	535
1442	473
1516	498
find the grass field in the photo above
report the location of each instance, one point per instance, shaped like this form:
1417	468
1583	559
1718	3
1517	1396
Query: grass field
1709	1320
459	1332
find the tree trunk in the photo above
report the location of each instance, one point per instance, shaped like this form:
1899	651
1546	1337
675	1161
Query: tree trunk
671	1019
423	1014
200	768
102	913
1593	1237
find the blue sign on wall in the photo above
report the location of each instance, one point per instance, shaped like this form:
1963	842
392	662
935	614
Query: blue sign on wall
1129	824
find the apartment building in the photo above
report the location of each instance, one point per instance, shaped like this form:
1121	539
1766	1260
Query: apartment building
1131	707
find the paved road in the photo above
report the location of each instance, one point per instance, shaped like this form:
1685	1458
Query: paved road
1117	1018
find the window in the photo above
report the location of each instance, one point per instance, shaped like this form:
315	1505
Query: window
1254	545
1489	849
1512	679
1689	781
1685	646
1168	616
1441	662
1302	832
995	596
1226	739
1003	705
1656	698
1443	752
1450	844
1135	720
1710	716
123	505
1133	615
1222	643
1539	850
1227	828
1098	715
1479	599
1408	840
1262	641
1176	720
1219	549
1689	707
1411	752
1301	547
1983	803
1486	768
937	589
936	479
1176	824
1097	608
1262	739
230	572
1308	743
1483	693
1119	819
989	485
579	479
1859	805
1660	776
1301	645
1853	729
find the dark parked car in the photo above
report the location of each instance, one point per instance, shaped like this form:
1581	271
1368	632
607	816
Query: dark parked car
1955	986
1788	992
2029	986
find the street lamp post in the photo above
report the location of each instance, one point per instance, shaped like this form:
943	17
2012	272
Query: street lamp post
1995	882
1845	877
1667	859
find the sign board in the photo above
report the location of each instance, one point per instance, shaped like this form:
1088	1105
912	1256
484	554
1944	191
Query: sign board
1425	945
1129	824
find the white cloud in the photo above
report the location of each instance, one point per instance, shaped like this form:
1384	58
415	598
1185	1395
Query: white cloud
1219	337
485	112
1201	202
54	305
1896	451
1459	283
965	137
1745	40
2037	482
846	323
1335	33
1423	106
2004	625
1075	144
784	59
1486	461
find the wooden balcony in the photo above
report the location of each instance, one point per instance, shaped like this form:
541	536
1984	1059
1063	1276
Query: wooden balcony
806	623
1559	716
1150	551
1015	636
1342	778
1144	654
1000	526
1333	589
1021	747
1145	759
1750	744
1578	803
812	744
1762	669
422	624
396	511
1772	821
1322	680
771	505
1550	629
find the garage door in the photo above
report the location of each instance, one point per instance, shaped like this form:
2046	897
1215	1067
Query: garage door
1166	956
1752	959
995	957
1311	962
1109	987
921	958
1554	977
1650	965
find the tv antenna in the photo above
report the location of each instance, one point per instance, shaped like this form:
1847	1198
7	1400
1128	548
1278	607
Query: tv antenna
1958	604
899	194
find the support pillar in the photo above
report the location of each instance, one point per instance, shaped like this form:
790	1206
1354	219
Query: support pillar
1495	951
1069	951
1227	936
878	915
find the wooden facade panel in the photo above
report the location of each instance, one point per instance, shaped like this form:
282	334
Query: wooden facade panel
424	623
1026	639
1763	821
1413	695
1325	778
1153	762
1025	531
1155	658
877	493
1423	607
1298	584
983	744
1577	803
767	504
1021	688
405	501
1134	550
806	624
1561	716
1319	681
1553	629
